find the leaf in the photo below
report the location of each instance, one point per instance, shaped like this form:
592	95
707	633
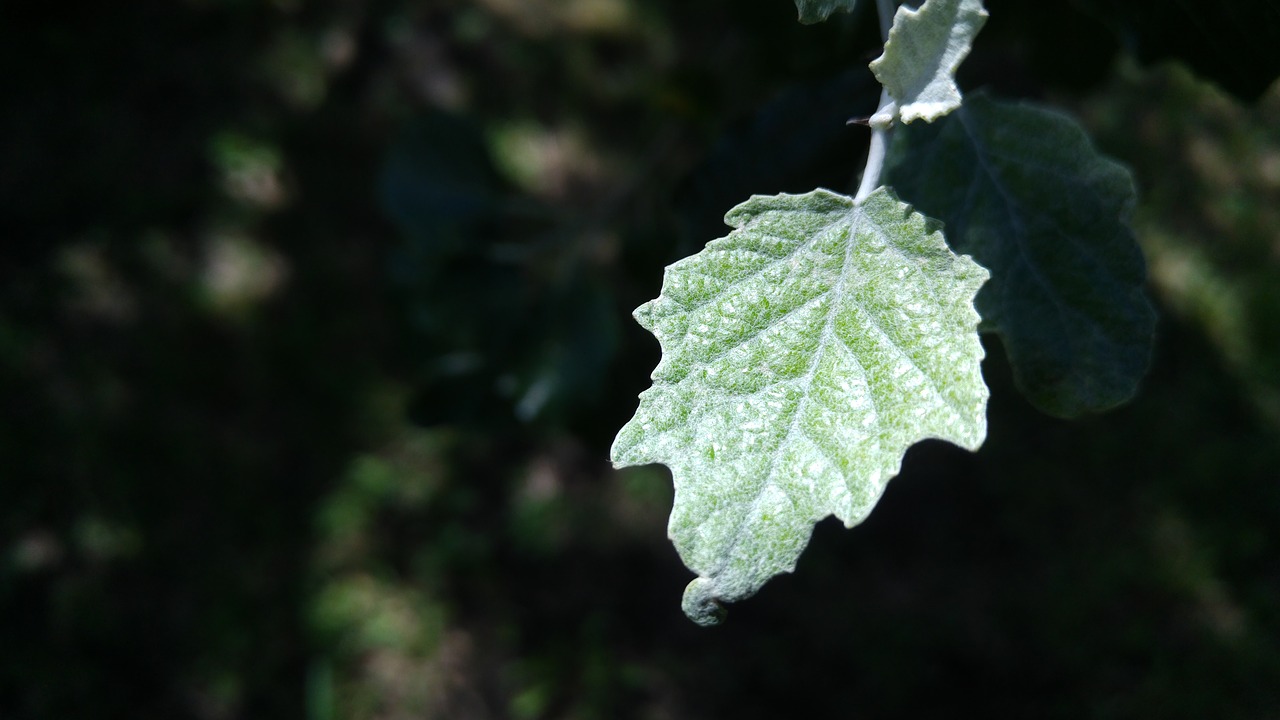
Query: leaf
802	355
815	11
925	48
1024	191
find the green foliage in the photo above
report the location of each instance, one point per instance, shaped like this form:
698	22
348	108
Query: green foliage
227	512
802	355
1024	191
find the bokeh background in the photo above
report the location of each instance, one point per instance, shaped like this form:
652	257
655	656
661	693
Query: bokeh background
314	334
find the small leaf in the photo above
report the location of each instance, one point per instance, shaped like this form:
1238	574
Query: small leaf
802	355
1024	191
925	48
815	11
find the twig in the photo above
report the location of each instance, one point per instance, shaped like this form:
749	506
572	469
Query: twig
882	122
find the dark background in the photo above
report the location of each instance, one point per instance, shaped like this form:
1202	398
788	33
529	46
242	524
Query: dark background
314	335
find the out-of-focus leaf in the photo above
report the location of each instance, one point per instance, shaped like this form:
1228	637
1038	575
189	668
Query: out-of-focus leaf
1024	191
802	355
815	11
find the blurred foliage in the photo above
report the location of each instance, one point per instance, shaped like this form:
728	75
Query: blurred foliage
1231	42
314	336
1213	237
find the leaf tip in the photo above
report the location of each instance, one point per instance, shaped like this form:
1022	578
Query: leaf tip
626	450
644	315
701	603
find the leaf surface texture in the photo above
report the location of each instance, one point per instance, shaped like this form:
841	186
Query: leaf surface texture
925	47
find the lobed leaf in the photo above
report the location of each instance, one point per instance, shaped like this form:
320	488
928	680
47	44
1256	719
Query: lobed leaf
924	49
1023	190
802	355
815	11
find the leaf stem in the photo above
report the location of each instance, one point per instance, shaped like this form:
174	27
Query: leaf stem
878	148
882	122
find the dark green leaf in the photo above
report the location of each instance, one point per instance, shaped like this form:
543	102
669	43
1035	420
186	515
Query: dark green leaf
1023	190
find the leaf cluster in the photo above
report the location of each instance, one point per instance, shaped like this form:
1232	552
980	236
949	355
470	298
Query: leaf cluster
805	352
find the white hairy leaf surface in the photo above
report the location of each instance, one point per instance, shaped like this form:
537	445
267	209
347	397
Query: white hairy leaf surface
803	354
924	49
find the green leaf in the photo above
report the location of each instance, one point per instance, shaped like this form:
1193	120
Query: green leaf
802	355
925	47
1024	191
815	11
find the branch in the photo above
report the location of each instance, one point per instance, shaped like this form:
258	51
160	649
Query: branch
882	122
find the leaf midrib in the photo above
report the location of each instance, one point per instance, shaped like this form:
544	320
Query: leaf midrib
806	382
